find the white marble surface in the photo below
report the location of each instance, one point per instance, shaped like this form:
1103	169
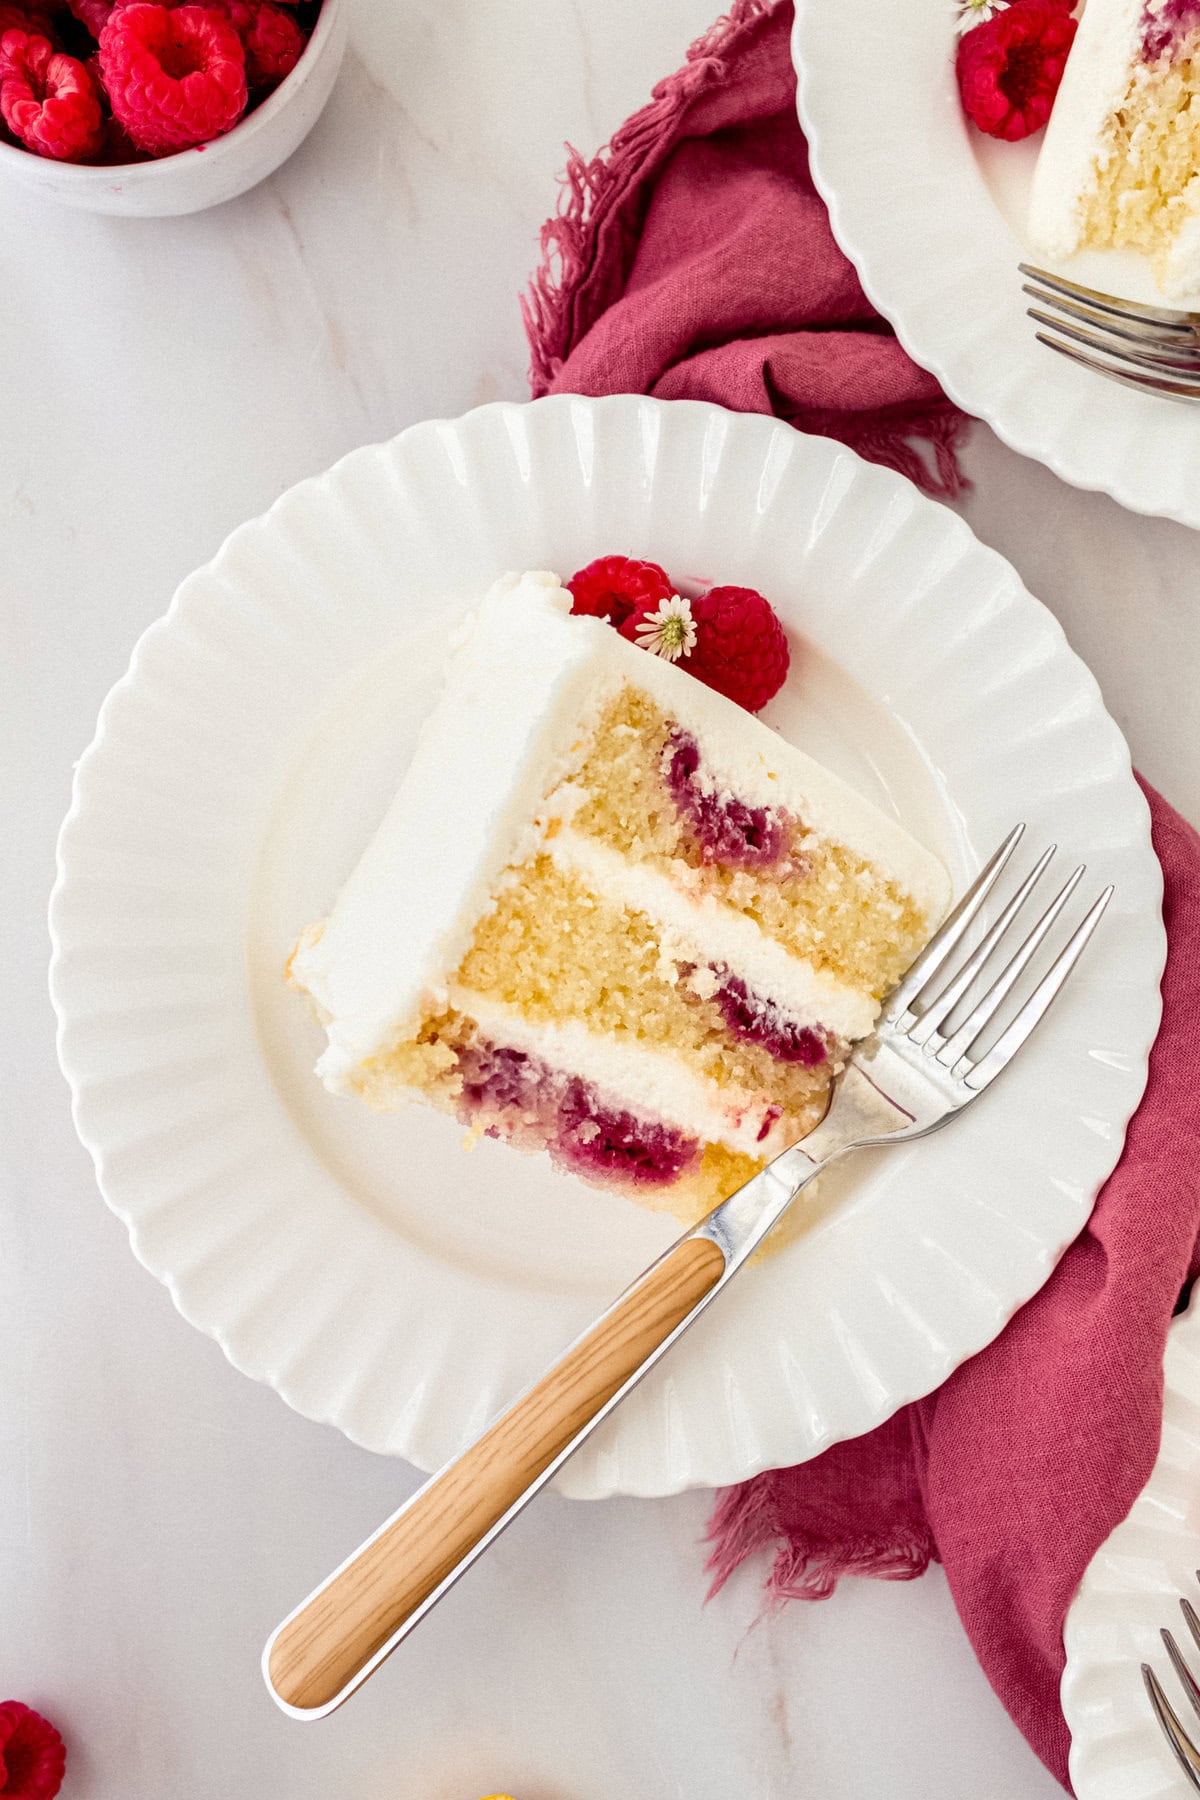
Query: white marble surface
161	381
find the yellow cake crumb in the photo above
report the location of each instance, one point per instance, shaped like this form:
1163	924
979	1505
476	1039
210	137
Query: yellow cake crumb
1147	170
837	912
554	950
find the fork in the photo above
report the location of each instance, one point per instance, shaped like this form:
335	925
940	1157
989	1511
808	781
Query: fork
920	1067
1186	1753
1152	348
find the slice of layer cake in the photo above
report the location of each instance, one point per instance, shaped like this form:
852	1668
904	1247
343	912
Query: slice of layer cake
1120	164
611	915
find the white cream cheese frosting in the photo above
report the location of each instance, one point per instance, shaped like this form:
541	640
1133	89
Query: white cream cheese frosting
525	684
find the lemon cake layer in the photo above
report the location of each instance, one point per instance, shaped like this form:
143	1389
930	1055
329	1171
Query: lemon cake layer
611	915
1120	164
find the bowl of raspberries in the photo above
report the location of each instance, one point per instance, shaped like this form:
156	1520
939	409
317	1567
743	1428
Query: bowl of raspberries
124	106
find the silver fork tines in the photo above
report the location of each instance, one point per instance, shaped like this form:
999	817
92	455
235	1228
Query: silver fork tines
956	1045
1155	349
919	1015
937	1010
956	925
1186	1753
1038	1003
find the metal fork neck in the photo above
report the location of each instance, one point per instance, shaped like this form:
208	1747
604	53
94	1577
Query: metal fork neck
858	1110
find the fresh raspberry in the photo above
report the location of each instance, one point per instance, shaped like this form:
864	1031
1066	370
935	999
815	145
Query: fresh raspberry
613	587
32	1756
274	45
1010	67
271	38
118	147
175	77
94	14
48	100
20	18
12	20
739	645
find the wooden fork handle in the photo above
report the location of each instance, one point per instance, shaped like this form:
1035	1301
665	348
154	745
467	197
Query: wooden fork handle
314	1657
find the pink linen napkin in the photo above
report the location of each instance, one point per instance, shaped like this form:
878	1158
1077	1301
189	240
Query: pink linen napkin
694	259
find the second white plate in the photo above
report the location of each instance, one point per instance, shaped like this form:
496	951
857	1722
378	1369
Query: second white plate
1131	1589
362	1264
932	215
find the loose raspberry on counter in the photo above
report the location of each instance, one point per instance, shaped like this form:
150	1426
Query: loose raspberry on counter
740	647
174	77
48	100
1010	67
613	587
32	1754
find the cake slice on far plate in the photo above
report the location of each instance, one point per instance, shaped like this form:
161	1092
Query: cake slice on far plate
1119	167
611	915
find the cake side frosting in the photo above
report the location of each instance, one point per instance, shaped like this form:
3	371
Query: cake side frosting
1180	274
515	695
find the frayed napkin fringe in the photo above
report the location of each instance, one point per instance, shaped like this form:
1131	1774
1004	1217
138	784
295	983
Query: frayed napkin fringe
745	1521
589	189
881	440
579	276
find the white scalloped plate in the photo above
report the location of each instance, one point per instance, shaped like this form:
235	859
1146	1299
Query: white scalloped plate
932	215
1130	1590
362	1264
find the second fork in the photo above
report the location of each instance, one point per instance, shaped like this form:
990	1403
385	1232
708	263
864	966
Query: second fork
1155	349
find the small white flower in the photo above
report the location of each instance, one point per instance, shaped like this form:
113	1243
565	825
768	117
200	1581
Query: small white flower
977	12
670	631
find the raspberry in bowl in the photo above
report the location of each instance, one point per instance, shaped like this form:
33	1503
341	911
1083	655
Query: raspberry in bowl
149	110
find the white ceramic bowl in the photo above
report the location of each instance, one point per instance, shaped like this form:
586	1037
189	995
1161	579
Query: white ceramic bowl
210	173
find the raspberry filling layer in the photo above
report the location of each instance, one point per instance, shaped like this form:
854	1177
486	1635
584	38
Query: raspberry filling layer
724	827
523	1098
747	1015
1164	27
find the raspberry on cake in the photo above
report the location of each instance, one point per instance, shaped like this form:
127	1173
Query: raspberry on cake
612	916
733	642
1120	163
1010	66
613	587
